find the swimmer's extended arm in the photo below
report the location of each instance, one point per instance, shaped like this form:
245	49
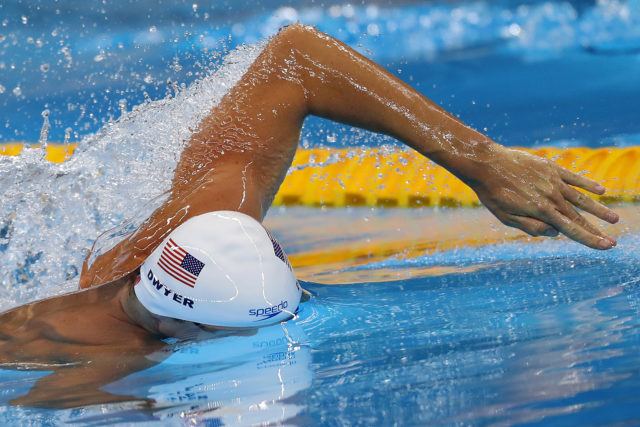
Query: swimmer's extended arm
520	189
241	152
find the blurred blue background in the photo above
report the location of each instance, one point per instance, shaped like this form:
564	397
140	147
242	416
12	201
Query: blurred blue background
526	72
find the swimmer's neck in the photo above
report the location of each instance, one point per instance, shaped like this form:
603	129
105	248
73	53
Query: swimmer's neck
154	325
132	308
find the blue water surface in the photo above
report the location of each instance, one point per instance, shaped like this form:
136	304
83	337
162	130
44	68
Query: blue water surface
539	333
525	72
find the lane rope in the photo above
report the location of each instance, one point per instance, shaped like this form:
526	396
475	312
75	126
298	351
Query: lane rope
388	177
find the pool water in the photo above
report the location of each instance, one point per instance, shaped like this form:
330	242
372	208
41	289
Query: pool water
526	72
417	317
512	332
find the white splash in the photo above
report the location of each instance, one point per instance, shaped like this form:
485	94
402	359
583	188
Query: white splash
51	214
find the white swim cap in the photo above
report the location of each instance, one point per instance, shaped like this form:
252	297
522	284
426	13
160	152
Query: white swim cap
221	269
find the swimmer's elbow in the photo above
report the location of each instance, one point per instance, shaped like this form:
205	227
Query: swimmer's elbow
296	35
294	31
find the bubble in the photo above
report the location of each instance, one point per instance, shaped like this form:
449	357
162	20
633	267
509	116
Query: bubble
2	89
44	67
67	135
44	131
335	11
122	105
514	30
24	20
287	14
17	91
175	65
66	53
237	29
348	11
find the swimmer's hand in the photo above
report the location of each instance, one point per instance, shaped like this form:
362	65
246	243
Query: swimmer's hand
538	196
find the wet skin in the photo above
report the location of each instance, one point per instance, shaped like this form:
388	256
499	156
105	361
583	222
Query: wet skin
236	160
53	335
239	155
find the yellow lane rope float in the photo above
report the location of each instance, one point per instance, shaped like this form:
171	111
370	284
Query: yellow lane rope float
403	178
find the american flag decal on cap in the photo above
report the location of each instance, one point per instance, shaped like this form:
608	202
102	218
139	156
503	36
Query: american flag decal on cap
180	264
278	250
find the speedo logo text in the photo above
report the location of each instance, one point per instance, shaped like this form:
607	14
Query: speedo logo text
268	312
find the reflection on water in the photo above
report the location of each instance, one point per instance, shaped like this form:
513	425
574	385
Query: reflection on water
243	379
235	379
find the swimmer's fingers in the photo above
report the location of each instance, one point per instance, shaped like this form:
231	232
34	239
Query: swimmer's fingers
531	226
587	204
574	229
570	212
581	181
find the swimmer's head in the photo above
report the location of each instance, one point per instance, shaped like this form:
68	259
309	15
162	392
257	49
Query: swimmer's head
220	269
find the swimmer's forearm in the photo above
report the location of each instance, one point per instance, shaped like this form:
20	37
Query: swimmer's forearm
342	85
523	191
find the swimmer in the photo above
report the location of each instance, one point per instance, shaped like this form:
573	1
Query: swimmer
217	273
230	171
241	152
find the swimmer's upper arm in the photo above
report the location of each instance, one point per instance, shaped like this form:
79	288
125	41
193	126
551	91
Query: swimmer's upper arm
211	192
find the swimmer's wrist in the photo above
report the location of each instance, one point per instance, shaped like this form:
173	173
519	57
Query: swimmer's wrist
469	158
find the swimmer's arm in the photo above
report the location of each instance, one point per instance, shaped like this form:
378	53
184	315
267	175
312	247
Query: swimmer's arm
252	135
125	257
522	190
